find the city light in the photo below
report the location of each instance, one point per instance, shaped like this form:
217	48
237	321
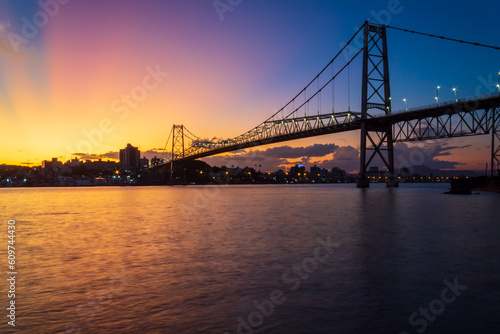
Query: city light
404	100
437	95
455	92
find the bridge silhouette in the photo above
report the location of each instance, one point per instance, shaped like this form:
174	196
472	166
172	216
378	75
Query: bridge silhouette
304	115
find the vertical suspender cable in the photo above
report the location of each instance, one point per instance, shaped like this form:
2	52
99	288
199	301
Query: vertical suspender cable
319	98
333	93
349	77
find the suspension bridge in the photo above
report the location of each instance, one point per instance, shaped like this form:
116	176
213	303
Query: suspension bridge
312	113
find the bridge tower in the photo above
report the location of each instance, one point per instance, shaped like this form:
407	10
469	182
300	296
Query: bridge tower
177	146
375	94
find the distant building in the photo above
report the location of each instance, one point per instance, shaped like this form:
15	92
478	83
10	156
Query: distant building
338	175
52	168
156	161
298	173
324	174
315	173
130	158
298	170
73	163
144	163
373	172
405	172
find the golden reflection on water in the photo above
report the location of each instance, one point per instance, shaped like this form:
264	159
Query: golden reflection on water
193	259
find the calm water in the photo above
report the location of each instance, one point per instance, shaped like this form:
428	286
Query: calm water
313	259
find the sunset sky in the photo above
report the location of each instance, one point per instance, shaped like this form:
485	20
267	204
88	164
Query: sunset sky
68	71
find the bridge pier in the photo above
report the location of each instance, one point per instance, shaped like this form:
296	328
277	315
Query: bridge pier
362	182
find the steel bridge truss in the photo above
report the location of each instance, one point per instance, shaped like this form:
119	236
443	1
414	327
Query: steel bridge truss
277	131
495	142
470	123
456	120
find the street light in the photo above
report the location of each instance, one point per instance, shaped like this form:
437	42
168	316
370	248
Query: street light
455	91
498	82
437	95
404	100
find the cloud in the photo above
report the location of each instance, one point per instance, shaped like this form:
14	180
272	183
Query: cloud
427	154
273	158
287	152
104	156
345	157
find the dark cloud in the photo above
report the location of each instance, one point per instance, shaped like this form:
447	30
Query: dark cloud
287	152
116	155
427	154
86	156
345	157
111	155
273	158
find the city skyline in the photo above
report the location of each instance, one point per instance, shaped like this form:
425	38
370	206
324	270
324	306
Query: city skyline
69	87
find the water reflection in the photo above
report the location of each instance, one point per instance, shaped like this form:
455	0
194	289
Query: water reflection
133	260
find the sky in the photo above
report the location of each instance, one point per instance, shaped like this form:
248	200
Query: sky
84	78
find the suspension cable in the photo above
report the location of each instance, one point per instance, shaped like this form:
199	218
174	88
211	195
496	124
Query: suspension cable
327	83
166	143
326	67
446	38
191	134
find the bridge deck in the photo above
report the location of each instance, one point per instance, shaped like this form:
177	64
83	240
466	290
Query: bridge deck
276	131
